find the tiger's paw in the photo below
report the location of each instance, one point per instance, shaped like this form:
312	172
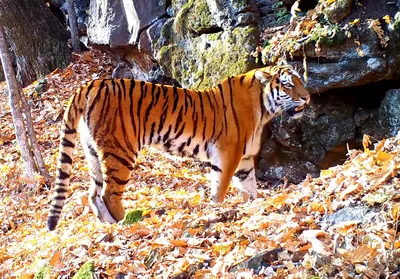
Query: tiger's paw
101	211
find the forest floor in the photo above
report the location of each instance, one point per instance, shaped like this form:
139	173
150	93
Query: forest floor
181	232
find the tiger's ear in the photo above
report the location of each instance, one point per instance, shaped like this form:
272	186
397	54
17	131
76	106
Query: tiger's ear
263	77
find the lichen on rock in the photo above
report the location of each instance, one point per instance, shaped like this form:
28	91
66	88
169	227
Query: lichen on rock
203	61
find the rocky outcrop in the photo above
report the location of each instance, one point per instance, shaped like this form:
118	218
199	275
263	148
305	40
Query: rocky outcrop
196	43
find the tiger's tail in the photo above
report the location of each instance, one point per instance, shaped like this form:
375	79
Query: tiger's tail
69	129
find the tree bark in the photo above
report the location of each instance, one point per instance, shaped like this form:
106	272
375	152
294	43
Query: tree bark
16	112
38	39
73	26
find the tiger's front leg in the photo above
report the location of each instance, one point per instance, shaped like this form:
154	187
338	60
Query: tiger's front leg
223	166
244	178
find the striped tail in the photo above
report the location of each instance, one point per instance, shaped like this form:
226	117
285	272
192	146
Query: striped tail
68	138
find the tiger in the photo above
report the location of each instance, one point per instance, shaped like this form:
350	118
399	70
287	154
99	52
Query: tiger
116	118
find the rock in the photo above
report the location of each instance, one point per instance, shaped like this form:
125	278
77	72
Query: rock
338	10
150	35
389	113
259	261
236	13
354	214
318	140
208	58
117	23
107	24
194	18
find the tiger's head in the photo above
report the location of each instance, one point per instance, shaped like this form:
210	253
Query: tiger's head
283	90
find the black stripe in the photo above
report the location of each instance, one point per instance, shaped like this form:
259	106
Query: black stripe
62	174
262	107
181	147
242	78
131	88
230	81
153	126
158	95
176	98
59	198
178	119
95	101
69	131
252	80
196	150
123	161
98	183
166	136
65	158
245	144
201	104
215	168
67	143
224	108
120	181
102	117
243	174
60	190
142	93
189	141
122	120
186	100
119	194
89	88
180	132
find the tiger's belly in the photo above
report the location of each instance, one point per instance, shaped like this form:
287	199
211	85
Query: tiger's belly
197	150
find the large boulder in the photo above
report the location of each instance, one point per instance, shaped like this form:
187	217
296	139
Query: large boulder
199	42
119	23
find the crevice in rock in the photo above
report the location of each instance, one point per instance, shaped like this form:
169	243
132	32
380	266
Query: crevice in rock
144	28
210	30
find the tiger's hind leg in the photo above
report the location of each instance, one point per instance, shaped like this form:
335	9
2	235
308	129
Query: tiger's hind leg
244	178
116	171
96	179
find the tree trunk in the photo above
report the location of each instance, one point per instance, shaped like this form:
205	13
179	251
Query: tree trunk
38	39
72	25
15	105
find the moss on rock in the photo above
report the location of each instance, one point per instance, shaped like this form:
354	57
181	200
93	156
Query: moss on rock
204	61
338	10
194	18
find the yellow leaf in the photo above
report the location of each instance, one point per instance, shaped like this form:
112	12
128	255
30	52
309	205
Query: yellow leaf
382	157
386	18
355	22
366	142
326	173
222	248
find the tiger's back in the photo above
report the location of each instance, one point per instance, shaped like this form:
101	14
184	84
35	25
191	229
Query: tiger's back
222	125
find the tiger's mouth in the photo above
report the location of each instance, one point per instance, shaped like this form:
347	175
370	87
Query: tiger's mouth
299	109
295	110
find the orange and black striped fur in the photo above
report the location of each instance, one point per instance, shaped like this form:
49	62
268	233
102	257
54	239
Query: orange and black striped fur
222	125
